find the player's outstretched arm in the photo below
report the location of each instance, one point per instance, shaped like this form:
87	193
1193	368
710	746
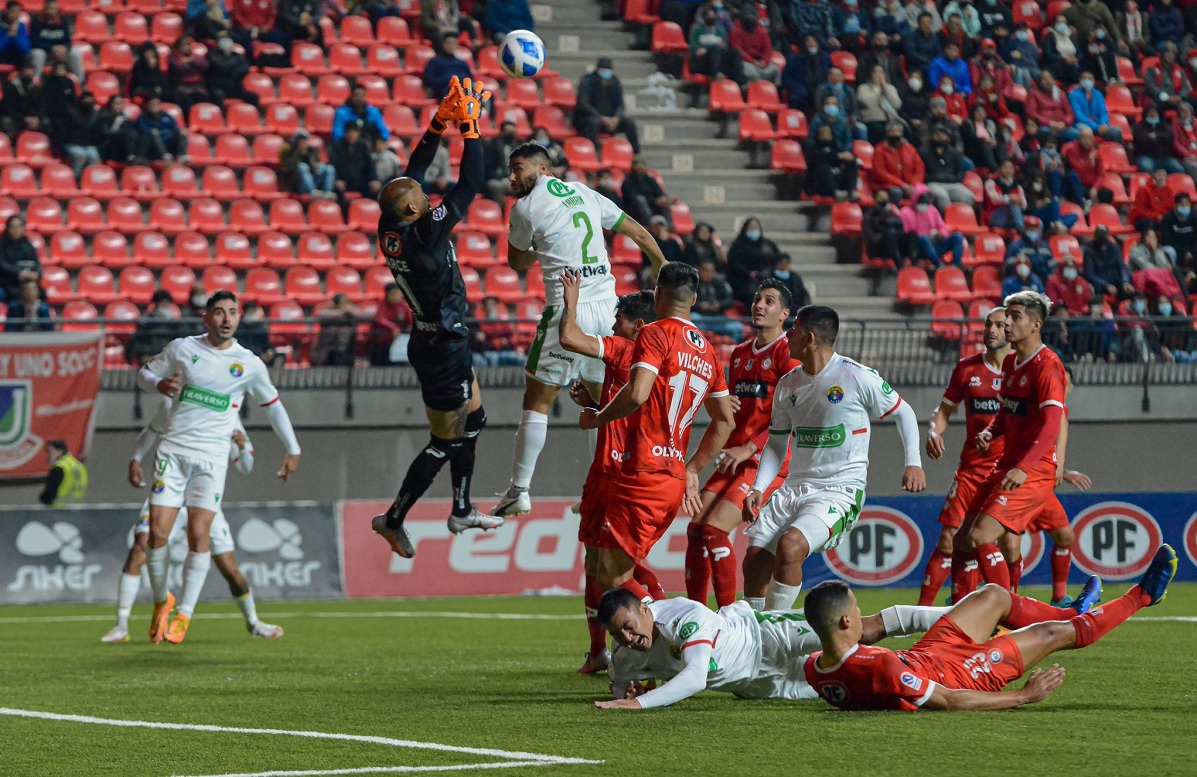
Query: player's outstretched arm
570	335
691	680
425	150
939	423
473	172
1039	685
629	227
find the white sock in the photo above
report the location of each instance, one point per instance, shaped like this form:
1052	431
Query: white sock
126	592
781	596
248	608
902	620
529	441
756	602
158	566
195	572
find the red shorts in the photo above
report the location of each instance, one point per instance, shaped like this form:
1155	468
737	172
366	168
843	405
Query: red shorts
1015	509
639	509
735	486
964	490
948	656
1050	518
593	506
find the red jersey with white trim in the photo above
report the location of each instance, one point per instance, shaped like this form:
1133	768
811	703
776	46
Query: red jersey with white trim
869	678
976	384
754	375
616	353
688	371
1027	389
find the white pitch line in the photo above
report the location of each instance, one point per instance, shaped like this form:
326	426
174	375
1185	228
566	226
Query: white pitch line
390	769
373	740
511	616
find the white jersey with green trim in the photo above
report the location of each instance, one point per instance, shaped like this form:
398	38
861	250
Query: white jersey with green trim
563	223
828	417
215	383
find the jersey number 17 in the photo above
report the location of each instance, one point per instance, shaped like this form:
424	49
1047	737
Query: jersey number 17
677	396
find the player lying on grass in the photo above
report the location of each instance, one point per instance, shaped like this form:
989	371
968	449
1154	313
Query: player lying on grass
956	666
755	655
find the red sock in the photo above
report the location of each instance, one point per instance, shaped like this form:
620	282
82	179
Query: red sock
591	595
722	558
993	565
641	592
964	574
939	566
698	565
1095	624
648	578
1025	611
1014	570
1061	563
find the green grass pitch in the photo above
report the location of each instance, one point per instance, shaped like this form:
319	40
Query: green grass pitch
504	692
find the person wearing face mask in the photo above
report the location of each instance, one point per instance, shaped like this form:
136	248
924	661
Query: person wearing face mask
1021	279
22	97
997	21
1134	29
970	17
1168	82
804	71
703	246
883	232
1022	52
945	171
922	45
889	18
1032	247
1089	108
831	173
1139	340
1176	341
951	67
227	69
897	163
1049	105
1152	201
1005	199
1069	292
784	273
921	220
1166	23
1100	55
1060	52
980	138
845	98
751	40
851	24
750	256
879	55
495	154
956	103
832	116
600	106
1087	14
723	15
1178	231
813	17
916	103
1184	138
989	63
711	53
1152	270
1104	267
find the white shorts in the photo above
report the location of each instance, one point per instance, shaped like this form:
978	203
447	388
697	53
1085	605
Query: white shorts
823	515
551	364
180	481
220	538
786	640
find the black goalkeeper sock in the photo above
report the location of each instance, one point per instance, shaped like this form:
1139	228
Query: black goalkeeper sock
461	466
420	474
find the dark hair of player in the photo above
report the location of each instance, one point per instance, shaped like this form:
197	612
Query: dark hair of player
679	280
612	602
783	292
637	306
220	295
825	605
57	445
533	151
821	320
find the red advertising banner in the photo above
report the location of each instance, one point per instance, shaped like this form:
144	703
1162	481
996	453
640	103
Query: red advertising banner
536	553
48	387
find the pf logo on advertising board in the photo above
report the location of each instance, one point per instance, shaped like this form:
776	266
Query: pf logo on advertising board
1032	550
36	541
884	547
1115	540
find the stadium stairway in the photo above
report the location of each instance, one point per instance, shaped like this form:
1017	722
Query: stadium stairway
709	173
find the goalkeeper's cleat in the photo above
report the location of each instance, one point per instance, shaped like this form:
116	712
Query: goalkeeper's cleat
396	537
265	630
116	634
1065	602
178	629
159	618
595	664
517	501
475	520
1159	574
1089	597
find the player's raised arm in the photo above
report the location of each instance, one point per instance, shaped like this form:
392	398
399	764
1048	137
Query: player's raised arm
1039	685
629	227
571	336
425	150
520	256
473	174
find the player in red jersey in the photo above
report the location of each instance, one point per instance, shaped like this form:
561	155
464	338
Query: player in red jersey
632	311
756	366
674	371
974	383
956	666
1032	405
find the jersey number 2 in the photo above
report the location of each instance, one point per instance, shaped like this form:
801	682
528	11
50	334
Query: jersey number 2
582	220
677	391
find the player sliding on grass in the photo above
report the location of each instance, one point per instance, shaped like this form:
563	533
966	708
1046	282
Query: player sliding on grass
755	655
956	666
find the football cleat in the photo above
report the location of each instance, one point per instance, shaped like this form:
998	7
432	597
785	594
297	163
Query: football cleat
116	634
1089	597
595	664
517	501
1161	571
159	618
475	520
265	630
178	629
397	537
1065	602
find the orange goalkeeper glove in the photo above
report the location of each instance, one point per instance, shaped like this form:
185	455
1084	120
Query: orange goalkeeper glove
473	98
449	109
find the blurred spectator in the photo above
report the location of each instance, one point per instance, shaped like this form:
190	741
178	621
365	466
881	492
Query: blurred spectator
969	18
1104	267
114	132
350	157
896	163
357	109
22	97
18	258
1099	56
387	164
497	150
15	43
1005	199
600	106
950	65
503	16
558	162
1133	28
832	116
1022	279
253	333
147	79
159	138
889	17
1152	270
50	38
750	255
1023	55
441	68
751	40
389	329
803	73
439	175
850	23
298	20
187	74
28	305
915	10
1062	180
703	246
1083	159
814	18
1087	14
768	15
1095	336
214	21
1148	253
987	94
711	54
74	134
945	171
955	104
227	69
60	93
197	301
1045	206
883	232
494	337
877	103
643	196
441	19
845	98
924	222
922	45
1032	246
670	245
1178	231
1060	52
1048	105
1175	332
1184	138
997	22
784	272
337	336
1168	82
953	32
713	300
916	104
160	324
253	22
1152	202
604	185
831	172
879	53
1140	338
1166	23
66	482
1089	108
1068	291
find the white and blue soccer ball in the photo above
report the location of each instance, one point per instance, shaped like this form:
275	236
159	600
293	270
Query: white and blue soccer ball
521	54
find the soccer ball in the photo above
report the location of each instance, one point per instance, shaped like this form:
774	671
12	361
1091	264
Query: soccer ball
521	54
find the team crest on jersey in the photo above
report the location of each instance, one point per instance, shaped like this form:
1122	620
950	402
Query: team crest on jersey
995	656
688	630
736	364
699	343
392	244
1023	381
974	382
157	487
835	395
912	681
834	693
767	363
997	384
236	369
439	213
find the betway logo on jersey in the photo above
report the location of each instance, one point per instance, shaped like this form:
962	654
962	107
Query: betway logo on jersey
751	389
985	405
1115	540
197	395
280	537
591	270
884	546
1016	407
819	436
36	540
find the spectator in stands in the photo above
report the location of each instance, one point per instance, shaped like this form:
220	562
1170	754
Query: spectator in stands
337	336
1083	160
879	54
883	231
1152	202
391	322
1104	267
60	93
1167	82
970	19
187	74
1100	56
1152	269
831	172
1140	338
916	105
1166	23
558	162
28	312
897	164
833	117
1023	54
945	171
784	272
949	65
955	105
769	17
713	301
15	43
114	132
22	97
18	258
921	219
997	22
357	109
387	164
298	20
253	22
1005	199
497	150
605	185
1134	29
803	73
1088	14
889	19
1033	247
751	40
444	66
253	333
916	8
711	54
214	21
441	19
850	23
922	46
50	39
1089	108
1148	253
750	255
1094	336
1184	138
1022	279
703	246
987	94
147	79
73	133
350	157
600	106
953	32
670	244
878	103
1175	332
813	17
1068	291
1060	52
503	16
1178	231
1050	107
227	69
439	175
494	337
158	326
1045	205
302	171
159	138
643	196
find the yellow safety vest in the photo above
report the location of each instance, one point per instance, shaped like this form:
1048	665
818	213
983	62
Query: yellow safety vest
74	481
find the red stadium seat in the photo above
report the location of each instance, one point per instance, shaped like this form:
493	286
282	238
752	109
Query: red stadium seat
332	89
206	118
522	93
1177	183
232	249
914	287
846	219
84	214
92	27
963	219
346	59
987	283
19	181
786	156
260	84
725	97
115	56
638	12
473	283
683	221
308	59
140	183
268	149
124	215
303	285
111	249
192	249
951	284
97	285
383	60
325	216
617	154
99	181
295	89
357	30
245	119
416	57
152	249
755	126
625	251
792	123
581	155
1113	182
763	95
276	250
137	285
1113	155
1029	13
103	86
178	281
344	280
1120	100
179	182
560	92
43	214
33	148
6	155
287	215
263	286
218	277
1126	71
668	38
58	181
1107	215
319	119
315	250
220	183
363	215
1081	228
261	183
199	148
990	249
485	216
166	27
410	91
78	316
126	310
379	276
1119	121
1065	245
355	250
131	28
56	281
246	217
474	250
204	215
504	283
232	150
67	249
947	319
487	64
975	185
864	151
552	119
845	61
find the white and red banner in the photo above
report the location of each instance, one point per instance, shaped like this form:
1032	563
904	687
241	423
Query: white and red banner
48	387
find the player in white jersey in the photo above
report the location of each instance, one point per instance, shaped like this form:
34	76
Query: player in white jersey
210	377
561	226
755	655
825	408
241	456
